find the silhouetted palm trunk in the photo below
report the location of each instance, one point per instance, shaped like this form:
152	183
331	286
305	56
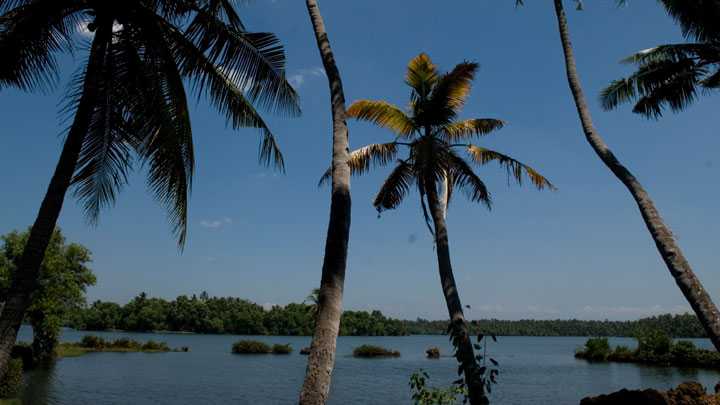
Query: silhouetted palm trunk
465	353
27	274
322	351
679	267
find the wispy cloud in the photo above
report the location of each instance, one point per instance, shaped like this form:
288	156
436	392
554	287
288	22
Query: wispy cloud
216	223
298	78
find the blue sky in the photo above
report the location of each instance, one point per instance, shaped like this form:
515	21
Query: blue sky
579	252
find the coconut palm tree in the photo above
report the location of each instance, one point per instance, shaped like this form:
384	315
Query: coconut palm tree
671	76
129	102
321	360
435	140
669	250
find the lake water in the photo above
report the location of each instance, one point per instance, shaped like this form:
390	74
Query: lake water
533	370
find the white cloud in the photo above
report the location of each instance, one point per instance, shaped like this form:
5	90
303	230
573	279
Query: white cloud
298	78
216	223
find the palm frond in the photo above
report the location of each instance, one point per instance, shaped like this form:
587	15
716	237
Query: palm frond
421	76
382	114
463	177
254	62
395	187
463	130
30	37
698	19
360	160
515	169
453	88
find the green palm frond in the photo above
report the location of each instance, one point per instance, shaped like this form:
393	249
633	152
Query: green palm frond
382	114
421	76
465	179
463	130
31	35
360	160
395	187
515	169
698	19
453	88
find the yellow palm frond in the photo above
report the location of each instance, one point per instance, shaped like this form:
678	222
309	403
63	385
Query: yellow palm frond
382	114
395	187
514	168
462	176
421	75
377	154
462	130
453	88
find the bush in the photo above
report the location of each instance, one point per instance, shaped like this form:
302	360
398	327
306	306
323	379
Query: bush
125	343
11	383
433	353
152	345
622	353
374	351
653	343
597	349
282	349
93	342
684	351
250	347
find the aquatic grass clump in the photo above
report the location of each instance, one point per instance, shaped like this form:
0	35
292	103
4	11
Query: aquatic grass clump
251	347
11	383
153	346
91	343
282	349
369	351
433	352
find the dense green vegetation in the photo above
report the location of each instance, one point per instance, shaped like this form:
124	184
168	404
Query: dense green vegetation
251	347
654	347
422	394
90	343
61	291
205	314
374	351
11	382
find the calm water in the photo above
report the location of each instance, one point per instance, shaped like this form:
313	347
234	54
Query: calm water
533	370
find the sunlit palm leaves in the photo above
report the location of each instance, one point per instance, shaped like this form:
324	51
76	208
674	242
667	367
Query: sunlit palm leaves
432	136
150	50
672	76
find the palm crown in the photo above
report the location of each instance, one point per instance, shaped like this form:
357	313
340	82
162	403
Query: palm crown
142	54
434	137
672	75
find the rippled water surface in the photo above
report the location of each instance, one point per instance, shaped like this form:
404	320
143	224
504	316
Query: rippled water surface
533	370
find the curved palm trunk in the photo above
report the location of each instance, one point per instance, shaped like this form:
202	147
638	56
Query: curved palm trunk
679	267
321	361
465	354
26	277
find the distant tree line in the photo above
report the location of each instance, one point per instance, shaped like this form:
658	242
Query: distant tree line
685	325
205	314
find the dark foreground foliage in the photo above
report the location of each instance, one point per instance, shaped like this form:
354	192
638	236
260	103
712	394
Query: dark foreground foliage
654	347
374	351
11	383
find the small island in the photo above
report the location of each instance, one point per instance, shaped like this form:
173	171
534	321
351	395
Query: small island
654	347
257	347
370	351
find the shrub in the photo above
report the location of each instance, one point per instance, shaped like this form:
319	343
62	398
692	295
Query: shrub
152	345
250	347
653	343
597	349
424	395
684	351
282	349
622	353
433	353
374	351
125	343
93	342
11	383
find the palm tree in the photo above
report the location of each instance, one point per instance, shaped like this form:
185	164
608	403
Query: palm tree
129	102
673	75
668	248
433	137
321	360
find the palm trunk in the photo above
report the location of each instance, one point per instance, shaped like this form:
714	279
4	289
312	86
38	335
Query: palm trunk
464	349
27	274
321	361
670	252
